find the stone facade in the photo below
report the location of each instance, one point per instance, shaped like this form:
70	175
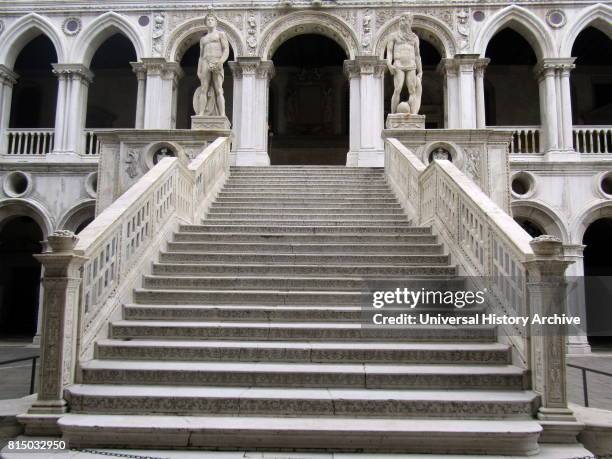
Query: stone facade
49	173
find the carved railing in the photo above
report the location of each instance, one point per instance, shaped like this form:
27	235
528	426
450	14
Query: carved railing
92	144
523	276
88	277
488	244
37	142
403	171
592	139
525	139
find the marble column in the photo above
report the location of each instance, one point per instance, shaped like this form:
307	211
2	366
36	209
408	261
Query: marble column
565	103
479	70
449	71
160	92
71	111
366	80
546	75
141	75
250	119
467	91
8	78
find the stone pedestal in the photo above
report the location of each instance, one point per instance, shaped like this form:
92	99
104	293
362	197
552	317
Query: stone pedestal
210	122
405	121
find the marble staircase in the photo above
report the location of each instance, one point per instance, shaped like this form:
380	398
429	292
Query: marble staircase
247	334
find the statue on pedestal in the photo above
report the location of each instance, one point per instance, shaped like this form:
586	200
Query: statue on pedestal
404	63
208	100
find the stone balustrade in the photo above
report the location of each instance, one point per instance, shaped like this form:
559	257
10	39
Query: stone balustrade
21	142
88	277
523	276
592	139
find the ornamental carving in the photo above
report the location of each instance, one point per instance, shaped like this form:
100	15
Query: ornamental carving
233	17
251	33
157	34
366	38
463	29
472	164
132	163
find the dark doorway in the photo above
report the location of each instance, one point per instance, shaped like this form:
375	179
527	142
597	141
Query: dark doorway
20	238
111	101
598	281
309	103
511	91
35	94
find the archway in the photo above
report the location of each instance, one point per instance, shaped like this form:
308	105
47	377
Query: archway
20	238
512	61
532	228
598	285
111	101
309	102
592	80
432	100
35	93
190	82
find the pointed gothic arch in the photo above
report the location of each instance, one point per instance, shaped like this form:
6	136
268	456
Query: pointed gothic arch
522	21
598	16
96	33
24	30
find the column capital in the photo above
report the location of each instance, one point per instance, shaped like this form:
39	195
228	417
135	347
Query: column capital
548	66
480	65
159	66
139	69
8	76
365	65
248	65
73	71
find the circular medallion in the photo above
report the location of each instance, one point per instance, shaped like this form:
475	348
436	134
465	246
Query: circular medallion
556	18
478	16
71	26
143	21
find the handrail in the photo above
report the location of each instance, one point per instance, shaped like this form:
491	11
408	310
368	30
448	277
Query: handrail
33	358
585	387
132	228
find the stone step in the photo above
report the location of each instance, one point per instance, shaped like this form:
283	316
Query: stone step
287	188
303	228
307	201
296	331
184	269
286	283
256	210
504	437
303	205
304	258
358	182
386	222
256	401
315	375
263	313
304	352
325	218
306	248
184	236
306	195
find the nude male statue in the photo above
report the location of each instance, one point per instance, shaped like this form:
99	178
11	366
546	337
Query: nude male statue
214	51
404	63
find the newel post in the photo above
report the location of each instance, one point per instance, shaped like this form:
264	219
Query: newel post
59	330
547	293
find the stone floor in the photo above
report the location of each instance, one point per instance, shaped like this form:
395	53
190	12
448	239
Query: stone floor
546	452
15	377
